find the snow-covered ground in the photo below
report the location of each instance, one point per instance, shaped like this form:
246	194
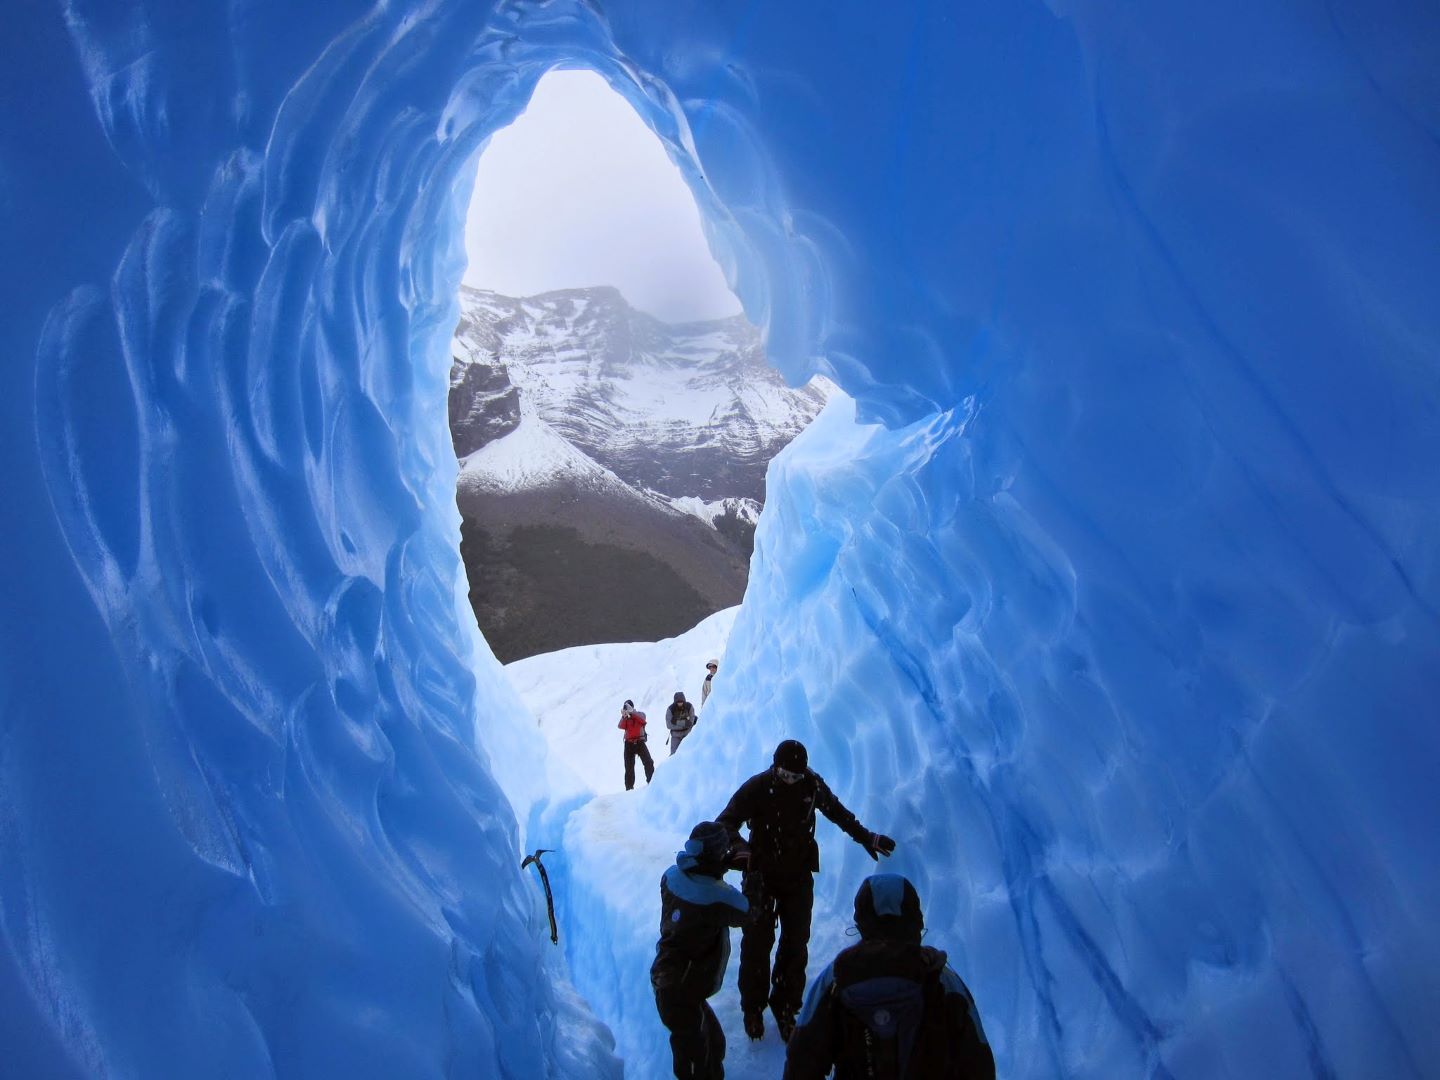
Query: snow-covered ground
613	854
576	695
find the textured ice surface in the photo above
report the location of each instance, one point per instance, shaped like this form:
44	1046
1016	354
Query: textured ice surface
1126	626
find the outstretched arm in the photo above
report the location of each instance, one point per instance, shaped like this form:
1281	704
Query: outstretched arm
874	843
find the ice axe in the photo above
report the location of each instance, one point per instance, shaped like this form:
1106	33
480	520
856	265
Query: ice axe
544	880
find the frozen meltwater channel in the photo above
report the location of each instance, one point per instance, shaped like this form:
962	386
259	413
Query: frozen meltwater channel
1117	607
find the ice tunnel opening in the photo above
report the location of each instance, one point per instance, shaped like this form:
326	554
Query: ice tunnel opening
575	700
612	409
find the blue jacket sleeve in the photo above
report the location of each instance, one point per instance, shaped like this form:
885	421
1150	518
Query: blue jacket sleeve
971	1046
810	1054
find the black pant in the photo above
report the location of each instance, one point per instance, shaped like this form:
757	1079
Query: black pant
697	1043
786	900
633	749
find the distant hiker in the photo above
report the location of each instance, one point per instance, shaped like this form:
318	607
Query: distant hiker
632	722
779	805
711	667
697	910
889	1007
679	719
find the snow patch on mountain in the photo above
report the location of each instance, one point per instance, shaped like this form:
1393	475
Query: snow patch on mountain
746	510
532	456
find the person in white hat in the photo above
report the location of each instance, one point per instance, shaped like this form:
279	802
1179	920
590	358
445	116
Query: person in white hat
711	666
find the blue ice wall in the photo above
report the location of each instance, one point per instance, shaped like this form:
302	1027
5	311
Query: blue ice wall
244	827
1136	596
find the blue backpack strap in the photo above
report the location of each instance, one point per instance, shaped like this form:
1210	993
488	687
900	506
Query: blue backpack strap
951	983
816	995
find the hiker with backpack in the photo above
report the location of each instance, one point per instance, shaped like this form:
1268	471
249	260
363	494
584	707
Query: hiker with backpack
679	719
697	910
889	1008
779	806
632	722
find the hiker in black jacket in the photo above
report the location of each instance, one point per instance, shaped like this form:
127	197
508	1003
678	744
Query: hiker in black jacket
889	1008
697	910
779	805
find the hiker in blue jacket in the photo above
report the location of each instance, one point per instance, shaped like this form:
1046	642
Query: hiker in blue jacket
697	910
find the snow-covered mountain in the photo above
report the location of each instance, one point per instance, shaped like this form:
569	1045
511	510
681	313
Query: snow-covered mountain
692	412
601	445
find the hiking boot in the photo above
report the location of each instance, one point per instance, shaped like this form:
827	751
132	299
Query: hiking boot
754	1024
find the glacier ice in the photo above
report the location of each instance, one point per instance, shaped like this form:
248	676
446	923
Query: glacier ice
1124	618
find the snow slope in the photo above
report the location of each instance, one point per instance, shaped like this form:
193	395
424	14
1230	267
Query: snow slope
622	842
534	456
576	694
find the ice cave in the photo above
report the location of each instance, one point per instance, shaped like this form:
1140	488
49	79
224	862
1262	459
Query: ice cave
1114	596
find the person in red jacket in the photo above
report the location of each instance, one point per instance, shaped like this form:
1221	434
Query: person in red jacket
632	722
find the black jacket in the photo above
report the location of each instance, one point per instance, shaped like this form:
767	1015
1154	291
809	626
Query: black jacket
949	1043
696	914
781	817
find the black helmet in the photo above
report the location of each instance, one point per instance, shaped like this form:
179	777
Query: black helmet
791	755
887	906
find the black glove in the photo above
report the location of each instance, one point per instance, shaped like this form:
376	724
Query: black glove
878	845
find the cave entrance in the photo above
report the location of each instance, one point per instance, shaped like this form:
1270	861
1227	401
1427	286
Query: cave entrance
612	410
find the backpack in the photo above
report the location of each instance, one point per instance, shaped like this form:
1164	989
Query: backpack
680	721
879	1021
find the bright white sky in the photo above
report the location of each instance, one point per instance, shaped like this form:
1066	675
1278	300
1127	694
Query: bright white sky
578	191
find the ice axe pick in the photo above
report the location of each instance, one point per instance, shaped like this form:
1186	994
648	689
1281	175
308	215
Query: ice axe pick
544	880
